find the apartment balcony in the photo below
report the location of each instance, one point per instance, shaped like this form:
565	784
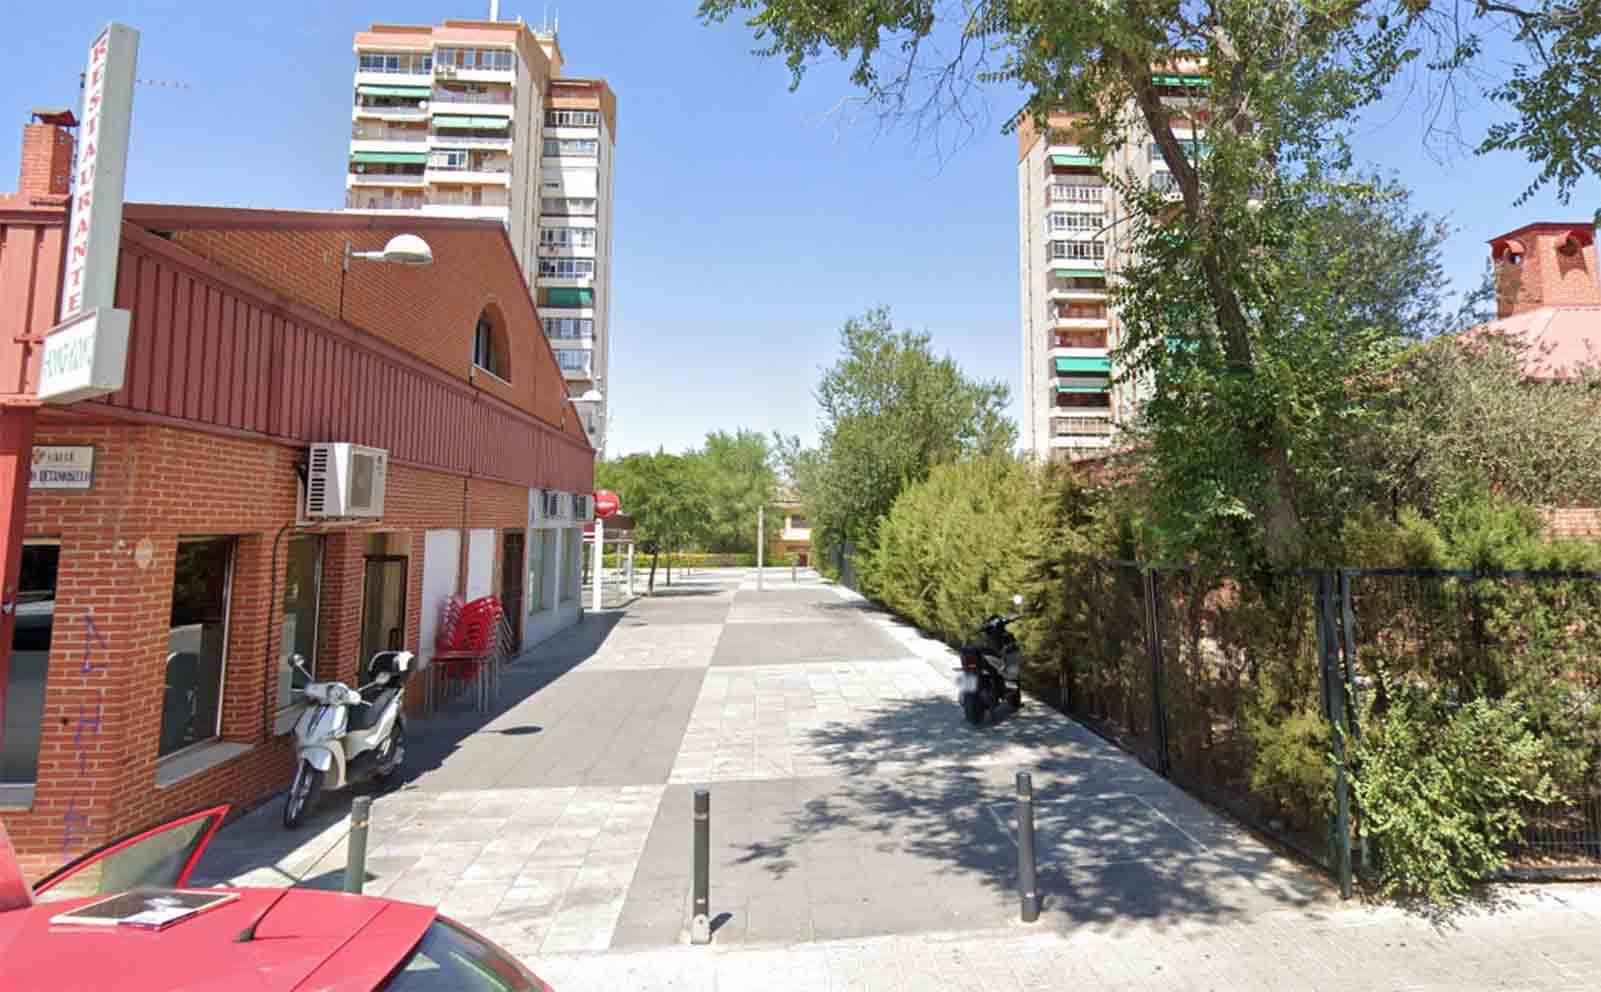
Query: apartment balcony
470	177
417	113
391	180
495	102
494	142
475	75
1071	157
1076	293
389	143
1078	430
1080	351
490	199
1072	266
1077	322
1075	196
368	199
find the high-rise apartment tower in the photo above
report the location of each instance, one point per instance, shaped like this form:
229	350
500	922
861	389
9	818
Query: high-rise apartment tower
1072	236
475	119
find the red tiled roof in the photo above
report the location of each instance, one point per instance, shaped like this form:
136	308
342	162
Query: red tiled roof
1562	340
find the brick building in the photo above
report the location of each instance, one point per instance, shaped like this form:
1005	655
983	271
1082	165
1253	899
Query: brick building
1548	295
163	592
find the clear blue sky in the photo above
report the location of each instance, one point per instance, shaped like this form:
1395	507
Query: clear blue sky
750	221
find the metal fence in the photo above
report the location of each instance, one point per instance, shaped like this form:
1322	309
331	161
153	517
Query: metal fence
1223	684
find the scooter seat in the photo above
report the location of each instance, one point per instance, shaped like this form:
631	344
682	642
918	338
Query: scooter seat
365	716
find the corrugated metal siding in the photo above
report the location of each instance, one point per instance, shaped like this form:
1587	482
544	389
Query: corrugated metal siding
205	352
30	273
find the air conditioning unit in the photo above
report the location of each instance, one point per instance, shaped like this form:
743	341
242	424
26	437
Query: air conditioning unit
346	480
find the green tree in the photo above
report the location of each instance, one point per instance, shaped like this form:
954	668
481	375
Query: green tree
1279	85
738	477
1463	414
664	495
890	411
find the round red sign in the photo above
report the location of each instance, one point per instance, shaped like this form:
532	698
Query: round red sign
605	503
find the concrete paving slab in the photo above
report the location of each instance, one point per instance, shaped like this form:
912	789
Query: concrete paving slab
803	642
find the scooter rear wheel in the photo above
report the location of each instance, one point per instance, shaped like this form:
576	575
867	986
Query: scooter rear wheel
396	757
303	793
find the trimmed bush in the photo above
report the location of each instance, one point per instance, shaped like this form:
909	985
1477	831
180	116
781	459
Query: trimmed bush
955	548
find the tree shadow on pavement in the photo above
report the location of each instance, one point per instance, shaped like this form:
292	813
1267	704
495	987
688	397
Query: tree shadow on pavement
920	793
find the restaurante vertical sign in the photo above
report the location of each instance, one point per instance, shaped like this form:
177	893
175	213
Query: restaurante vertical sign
90	279
85	355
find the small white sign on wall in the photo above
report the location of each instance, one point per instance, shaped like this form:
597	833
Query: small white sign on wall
62	466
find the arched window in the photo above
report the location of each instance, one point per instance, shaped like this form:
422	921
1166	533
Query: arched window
490	349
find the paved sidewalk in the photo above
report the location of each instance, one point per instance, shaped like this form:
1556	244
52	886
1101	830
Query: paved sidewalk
1540	940
862	834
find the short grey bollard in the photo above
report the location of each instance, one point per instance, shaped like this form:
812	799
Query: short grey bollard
700	927
356	857
1027	879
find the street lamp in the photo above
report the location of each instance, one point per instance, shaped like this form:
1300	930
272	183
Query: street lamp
402	249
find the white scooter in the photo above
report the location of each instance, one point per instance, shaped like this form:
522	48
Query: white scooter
350	734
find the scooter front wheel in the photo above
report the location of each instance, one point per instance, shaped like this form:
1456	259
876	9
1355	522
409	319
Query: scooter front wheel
392	762
303	793
973	708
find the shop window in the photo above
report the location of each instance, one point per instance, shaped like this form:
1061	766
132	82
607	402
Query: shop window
302	590
30	661
490	349
197	644
573	563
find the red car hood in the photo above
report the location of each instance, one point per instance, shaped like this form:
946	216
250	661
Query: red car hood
311	939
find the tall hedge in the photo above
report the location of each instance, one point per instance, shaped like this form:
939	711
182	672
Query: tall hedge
955	547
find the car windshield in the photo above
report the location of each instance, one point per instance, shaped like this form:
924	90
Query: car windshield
452	957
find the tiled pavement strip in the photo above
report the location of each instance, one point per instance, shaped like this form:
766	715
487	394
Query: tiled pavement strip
862	835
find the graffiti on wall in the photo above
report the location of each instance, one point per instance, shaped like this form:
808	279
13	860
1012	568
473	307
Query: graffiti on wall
74	824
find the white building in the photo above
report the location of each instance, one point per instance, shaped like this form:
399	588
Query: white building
474	119
1070	229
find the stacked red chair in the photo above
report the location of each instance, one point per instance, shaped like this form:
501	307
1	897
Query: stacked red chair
467	645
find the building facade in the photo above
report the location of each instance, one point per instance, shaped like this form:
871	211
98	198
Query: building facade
475	119
170	566
1070	244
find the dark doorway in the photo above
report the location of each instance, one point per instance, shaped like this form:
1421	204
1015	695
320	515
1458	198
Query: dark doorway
383	607
511	585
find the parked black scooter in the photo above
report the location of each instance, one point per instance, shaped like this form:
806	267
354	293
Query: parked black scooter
990	669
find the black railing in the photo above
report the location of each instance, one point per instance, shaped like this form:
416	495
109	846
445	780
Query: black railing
1229	685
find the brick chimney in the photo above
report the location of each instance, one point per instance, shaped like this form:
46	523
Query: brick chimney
1545	264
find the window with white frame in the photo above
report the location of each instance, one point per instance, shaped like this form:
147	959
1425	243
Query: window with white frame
402	63
572	359
569	328
1091	250
572	147
1061	223
499	60
572	118
1076	193
567	268
567	237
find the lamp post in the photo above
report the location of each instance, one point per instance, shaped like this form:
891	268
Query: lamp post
402	249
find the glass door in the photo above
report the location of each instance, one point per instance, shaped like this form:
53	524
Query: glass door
511	584
383	608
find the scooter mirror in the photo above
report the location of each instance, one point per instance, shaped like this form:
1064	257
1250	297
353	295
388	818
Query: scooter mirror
1017	599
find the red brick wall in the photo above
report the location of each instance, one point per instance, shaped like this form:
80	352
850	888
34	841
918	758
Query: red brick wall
430	311
98	759
1574	521
1546	277
46	161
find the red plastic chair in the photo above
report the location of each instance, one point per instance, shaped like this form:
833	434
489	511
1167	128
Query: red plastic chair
467	644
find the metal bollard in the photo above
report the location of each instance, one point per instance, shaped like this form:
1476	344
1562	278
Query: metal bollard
356	857
1027	879
700	927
